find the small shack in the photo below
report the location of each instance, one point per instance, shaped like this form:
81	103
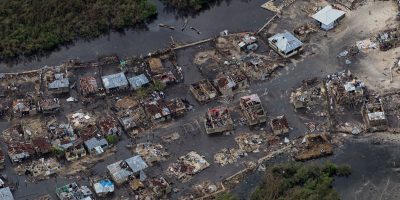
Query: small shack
328	17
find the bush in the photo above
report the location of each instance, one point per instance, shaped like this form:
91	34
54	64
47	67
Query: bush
112	139
294	181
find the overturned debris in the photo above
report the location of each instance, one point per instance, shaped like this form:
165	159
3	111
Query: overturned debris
228	156
249	142
151	153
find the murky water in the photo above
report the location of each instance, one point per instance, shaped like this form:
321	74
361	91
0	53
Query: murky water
243	15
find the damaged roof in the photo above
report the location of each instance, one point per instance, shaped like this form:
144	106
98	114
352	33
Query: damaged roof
285	42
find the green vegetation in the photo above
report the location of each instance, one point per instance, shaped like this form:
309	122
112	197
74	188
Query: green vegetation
29	27
226	196
157	86
294	181
112	139
57	151
189	4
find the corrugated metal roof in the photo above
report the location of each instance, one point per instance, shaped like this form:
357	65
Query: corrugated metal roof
285	42
95	142
59	82
136	163
5	194
328	15
114	80
138	81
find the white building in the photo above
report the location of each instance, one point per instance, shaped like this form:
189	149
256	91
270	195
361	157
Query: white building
328	17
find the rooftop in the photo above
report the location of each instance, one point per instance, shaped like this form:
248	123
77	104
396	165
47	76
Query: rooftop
5	194
285	42
114	80
138	81
328	15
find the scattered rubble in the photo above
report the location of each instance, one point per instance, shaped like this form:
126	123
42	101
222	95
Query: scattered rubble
187	166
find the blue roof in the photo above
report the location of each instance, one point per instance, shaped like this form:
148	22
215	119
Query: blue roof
285	42
138	81
114	80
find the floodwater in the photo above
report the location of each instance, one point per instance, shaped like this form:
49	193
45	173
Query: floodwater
235	16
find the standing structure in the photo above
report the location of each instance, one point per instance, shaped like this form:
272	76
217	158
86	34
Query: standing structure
252	109
328	17
285	44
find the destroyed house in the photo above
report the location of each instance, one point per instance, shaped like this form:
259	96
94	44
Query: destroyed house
127	122
315	146
279	125
252	109
41	145
139	81
96	145
156	66
328	17
73	192
43	167
88	85
49	106
24	107
74	149
5	194
240	79
109	126
122	170
345	88
285	44
225	85
166	77
203	91
218	120
20	151
176	107
115	82
248	42
188	165
374	116
158	111
57	80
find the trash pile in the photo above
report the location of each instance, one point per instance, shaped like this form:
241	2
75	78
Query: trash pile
81	119
151	153
187	166
314	146
249	142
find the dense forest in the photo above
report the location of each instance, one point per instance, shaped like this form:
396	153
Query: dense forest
293	181
32	26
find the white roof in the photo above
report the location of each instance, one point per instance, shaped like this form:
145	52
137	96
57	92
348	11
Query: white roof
328	15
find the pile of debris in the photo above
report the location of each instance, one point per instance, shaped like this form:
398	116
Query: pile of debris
304	31
314	146
228	156
388	39
205	188
307	95
374	116
151	153
42	167
187	166
249	142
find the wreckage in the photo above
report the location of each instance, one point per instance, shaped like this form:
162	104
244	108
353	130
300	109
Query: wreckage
218	120
252	109
187	166
279	125
314	146
203	91
374	116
